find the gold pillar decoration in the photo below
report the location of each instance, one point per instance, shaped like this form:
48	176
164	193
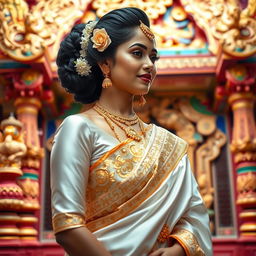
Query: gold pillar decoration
205	154
174	119
12	149
27	113
241	86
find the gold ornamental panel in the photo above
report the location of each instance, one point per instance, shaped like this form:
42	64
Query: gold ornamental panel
226	25
153	8
26	32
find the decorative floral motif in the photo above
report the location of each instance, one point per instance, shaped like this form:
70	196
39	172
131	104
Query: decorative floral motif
82	66
87	31
100	39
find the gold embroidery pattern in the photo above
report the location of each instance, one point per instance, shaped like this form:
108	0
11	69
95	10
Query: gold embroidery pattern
63	221
126	175
164	234
124	166
134	176
188	242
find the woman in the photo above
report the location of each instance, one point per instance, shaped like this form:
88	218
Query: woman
120	186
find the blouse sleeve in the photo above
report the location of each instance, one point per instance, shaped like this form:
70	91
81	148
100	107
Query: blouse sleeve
70	160
192	230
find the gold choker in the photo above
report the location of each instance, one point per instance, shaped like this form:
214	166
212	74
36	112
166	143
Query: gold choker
119	121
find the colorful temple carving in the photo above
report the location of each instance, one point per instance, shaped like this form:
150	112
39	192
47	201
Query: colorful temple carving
204	92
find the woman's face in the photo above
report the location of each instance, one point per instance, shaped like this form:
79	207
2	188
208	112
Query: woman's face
134	67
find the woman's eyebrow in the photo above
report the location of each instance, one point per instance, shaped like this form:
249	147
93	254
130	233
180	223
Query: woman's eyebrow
143	46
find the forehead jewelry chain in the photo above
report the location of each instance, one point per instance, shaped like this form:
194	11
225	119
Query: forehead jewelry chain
128	130
146	30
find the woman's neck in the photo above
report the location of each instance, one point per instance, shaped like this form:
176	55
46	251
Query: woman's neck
118	102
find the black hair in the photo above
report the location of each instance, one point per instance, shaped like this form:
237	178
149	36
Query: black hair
119	24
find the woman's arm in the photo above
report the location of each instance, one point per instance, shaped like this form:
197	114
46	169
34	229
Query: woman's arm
191	231
70	159
174	250
80	242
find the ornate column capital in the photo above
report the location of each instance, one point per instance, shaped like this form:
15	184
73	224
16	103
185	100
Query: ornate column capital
247	98
240	79
27	105
28	83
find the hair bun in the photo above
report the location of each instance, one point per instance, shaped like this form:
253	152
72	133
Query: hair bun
85	89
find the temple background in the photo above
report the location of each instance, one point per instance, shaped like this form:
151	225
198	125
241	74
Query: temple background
204	92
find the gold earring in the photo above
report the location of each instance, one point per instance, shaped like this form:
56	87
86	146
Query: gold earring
106	83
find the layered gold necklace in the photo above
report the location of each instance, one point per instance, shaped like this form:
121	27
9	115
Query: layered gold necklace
124	123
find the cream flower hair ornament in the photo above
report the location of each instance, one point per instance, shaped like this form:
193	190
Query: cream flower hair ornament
82	66
100	39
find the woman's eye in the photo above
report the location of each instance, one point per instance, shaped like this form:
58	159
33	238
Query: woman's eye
137	53
154	58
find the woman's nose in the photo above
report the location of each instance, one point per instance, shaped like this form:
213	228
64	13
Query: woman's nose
148	65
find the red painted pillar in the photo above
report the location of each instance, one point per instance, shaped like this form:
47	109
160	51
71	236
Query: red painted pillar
28	90
241	87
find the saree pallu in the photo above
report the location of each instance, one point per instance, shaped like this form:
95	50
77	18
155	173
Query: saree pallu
141	196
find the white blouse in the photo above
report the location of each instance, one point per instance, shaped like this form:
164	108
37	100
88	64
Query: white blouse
78	143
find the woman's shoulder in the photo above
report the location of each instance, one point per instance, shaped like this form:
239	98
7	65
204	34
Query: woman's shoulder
74	127
74	122
85	118
172	135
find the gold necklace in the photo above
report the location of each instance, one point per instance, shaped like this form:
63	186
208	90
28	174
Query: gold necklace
124	120
129	131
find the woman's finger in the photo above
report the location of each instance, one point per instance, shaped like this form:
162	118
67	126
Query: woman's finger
157	252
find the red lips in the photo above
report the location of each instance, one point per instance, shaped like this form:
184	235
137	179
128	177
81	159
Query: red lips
146	77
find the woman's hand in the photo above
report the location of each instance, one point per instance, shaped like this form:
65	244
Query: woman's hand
174	250
80	241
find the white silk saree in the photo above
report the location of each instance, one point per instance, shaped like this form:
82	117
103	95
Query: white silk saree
140	196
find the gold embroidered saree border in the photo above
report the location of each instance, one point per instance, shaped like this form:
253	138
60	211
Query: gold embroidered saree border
117	179
110	152
64	221
188	241
179	148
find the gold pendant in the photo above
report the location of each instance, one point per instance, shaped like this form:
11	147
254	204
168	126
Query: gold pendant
131	133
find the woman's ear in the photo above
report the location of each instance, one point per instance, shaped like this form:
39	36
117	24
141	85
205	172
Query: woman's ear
105	67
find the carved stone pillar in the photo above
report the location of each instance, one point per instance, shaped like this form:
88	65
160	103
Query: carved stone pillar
27	104
12	148
27	111
241	87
